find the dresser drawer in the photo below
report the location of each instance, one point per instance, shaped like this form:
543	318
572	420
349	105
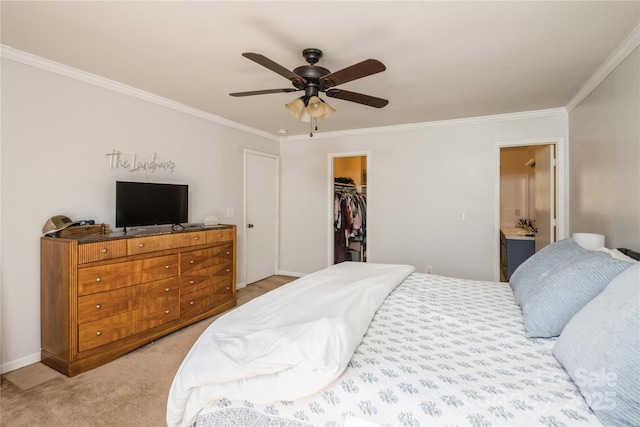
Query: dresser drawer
150	316
205	258
104	331
143	245
222	235
197	237
202	278
106	304
119	275
158	292
91	252
202	301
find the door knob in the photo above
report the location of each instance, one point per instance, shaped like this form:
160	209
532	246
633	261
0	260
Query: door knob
250	225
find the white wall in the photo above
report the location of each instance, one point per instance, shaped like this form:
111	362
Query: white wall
55	134
605	158
419	180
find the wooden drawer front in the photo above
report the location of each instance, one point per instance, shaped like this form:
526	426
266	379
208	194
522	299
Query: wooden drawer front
197	237
104	331
203	259
222	288
158	268
223	235
106	304
91	252
201	301
202	278
143	245
158	292
150	316
113	276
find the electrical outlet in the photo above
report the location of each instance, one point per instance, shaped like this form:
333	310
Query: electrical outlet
462	216
229	212
428	269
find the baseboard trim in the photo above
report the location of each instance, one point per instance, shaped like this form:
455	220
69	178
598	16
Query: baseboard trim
20	363
291	273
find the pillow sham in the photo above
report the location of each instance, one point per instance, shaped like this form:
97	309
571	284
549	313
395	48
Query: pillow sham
530	271
600	349
561	292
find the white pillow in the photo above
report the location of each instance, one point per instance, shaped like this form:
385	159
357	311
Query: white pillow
600	349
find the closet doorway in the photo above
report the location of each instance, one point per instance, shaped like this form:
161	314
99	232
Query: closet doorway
349	240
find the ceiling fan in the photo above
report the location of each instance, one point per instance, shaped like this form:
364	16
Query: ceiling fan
314	79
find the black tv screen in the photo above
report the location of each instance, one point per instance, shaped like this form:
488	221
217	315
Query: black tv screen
145	203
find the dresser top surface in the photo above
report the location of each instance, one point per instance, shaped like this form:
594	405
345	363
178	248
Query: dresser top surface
142	232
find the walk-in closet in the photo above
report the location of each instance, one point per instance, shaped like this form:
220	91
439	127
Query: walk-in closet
350	209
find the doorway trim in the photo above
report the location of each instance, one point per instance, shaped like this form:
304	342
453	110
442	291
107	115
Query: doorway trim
330	177
245	219
560	193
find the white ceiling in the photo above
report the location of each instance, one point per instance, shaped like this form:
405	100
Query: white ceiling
445	60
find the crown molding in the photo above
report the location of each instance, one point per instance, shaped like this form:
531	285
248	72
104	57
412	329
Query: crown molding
83	76
609	65
561	112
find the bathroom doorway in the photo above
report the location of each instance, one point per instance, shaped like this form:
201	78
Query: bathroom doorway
349	191
530	194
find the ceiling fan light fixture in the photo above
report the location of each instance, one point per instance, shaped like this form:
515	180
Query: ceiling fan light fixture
305	117
296	108
315	107
328	110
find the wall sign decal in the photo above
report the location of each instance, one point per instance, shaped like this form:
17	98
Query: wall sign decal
135	162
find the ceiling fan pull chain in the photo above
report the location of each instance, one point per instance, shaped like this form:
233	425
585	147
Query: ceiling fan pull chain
311	128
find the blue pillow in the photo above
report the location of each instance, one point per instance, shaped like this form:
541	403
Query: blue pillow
530	271
600	349
562	291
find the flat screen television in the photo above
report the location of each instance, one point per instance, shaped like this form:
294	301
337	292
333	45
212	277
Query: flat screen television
145	203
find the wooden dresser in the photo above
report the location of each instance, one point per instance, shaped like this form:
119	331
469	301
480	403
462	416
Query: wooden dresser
103	296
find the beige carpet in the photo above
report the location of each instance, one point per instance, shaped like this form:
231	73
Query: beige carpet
130	391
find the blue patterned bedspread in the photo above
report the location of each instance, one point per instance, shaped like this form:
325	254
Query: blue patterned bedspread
440	351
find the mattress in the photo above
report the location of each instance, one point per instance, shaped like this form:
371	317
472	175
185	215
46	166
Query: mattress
439	351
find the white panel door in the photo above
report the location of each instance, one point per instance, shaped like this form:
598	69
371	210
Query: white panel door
261	195
545	196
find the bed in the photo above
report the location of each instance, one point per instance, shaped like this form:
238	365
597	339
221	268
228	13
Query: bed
429	349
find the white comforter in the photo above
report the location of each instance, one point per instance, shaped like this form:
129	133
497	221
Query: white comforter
285	344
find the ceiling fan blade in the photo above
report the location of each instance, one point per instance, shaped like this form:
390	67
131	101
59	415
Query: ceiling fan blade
346	95
263	92
357	71
273	66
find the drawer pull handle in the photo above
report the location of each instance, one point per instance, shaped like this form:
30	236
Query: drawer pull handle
167	311
228	287
98	279
219	235
228	252
98	306
228	270
98	333
191	282
141	245
191	262
196	238
191	302
167	267
104	251
167	289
